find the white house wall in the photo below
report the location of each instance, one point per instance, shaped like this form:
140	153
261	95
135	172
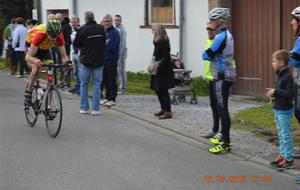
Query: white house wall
139	40
55	4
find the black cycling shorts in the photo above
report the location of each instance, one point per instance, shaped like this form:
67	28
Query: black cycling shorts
43	54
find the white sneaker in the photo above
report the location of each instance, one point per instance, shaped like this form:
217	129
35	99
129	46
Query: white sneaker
95	113
103	101
110	103
19	76
83	111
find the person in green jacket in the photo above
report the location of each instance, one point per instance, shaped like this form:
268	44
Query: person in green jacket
209	77
8	36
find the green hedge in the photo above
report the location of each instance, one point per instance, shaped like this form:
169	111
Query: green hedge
201	86
140	82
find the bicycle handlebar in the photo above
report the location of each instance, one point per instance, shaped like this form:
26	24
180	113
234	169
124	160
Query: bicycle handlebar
68	66
56	65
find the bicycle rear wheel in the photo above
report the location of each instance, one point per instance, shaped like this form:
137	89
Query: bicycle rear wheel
53	111
31	111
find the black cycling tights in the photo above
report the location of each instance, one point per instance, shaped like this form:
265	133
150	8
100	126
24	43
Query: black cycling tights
219	92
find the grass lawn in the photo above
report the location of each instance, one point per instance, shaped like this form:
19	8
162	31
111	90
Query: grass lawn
138	83
261	121
2	64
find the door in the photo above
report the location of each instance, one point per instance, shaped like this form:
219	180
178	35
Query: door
257	34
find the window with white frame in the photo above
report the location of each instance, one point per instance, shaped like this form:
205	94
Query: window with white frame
160	11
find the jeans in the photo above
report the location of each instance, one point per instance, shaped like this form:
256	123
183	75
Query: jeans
76	69
122	75
85	73
284	129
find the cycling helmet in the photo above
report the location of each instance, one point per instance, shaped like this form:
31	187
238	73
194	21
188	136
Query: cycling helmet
296	13
219	13
54	28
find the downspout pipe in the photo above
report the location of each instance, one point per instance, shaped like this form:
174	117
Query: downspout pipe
37	6
181	29
75	6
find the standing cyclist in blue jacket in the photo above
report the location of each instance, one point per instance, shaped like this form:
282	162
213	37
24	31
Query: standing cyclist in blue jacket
295	56
220	55
295	59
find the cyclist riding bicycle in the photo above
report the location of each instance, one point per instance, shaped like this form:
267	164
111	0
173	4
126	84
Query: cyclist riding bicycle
40	40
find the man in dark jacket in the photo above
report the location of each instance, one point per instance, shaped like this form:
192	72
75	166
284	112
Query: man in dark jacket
67	31
91	40
111	57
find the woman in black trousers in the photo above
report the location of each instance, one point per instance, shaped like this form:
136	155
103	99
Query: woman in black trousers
164	79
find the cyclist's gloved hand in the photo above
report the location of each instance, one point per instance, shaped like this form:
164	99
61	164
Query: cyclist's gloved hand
69	63
69	67
37	62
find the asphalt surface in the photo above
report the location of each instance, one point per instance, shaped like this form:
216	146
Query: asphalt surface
113	151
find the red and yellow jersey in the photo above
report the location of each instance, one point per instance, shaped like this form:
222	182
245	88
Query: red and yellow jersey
39	37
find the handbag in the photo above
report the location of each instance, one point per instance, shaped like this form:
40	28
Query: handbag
153	66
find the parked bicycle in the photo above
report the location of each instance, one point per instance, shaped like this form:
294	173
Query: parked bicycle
47	101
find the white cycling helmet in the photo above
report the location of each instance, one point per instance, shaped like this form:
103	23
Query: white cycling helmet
296	13
219	13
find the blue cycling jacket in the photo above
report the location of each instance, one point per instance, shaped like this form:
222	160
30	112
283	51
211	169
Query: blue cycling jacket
220	54
295	55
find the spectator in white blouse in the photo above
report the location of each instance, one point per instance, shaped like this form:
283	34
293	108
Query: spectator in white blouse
18	43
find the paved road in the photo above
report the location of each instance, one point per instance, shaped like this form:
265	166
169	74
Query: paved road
113	152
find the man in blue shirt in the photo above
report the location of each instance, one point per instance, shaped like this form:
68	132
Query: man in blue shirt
111	56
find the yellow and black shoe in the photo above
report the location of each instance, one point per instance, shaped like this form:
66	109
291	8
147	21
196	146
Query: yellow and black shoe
220	148
217	139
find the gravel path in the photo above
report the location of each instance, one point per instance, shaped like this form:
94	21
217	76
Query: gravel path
196	119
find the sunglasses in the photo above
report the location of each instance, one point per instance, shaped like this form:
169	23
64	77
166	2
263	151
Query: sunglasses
210	29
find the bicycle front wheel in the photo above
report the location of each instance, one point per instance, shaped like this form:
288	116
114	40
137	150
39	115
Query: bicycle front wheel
31	111
53	111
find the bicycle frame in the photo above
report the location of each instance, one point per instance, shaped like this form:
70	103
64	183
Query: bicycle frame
51	82
48	103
